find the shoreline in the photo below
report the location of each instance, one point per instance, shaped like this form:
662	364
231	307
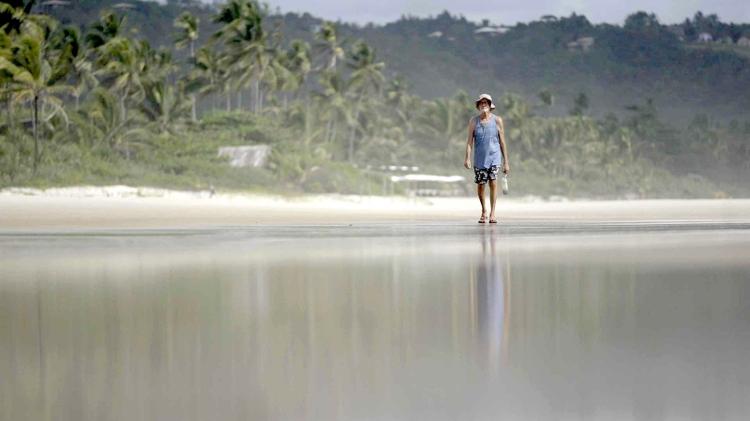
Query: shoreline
123	207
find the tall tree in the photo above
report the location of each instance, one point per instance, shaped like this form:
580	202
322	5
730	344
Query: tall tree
328	45
122	66
366	80
208	76
108	27
76	57
37	70
243	38
187	36
299	62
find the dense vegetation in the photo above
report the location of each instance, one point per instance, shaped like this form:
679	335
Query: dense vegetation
96	103
623	66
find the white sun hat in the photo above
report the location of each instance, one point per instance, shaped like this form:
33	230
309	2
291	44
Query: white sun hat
488	98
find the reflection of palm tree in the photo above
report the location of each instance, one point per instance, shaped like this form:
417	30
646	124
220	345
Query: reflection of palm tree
490	294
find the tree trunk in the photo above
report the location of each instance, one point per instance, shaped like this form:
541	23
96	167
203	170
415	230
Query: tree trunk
351	146
239	99
194	110
327	135
123	110
351	137
307	124
256	93
9	108
228	97
35	131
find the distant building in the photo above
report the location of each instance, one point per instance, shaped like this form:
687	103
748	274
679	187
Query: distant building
47	6
744	42
55	3
581	44
436	34
124	6
490	30
705	37
246	156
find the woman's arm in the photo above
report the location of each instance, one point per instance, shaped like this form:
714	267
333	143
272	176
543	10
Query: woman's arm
469	144
503	148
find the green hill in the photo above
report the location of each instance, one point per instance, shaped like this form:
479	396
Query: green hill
624	66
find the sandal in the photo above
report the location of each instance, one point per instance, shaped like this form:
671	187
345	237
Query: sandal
493	221
482	219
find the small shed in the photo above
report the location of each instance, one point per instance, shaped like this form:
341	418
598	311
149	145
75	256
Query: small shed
246	156
705	37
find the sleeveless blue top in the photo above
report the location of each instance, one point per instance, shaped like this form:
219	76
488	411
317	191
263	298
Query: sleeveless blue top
486	144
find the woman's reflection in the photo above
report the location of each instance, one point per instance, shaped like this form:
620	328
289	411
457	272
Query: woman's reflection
491	301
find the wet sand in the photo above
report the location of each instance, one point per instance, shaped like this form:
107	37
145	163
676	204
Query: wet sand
438	320
70	209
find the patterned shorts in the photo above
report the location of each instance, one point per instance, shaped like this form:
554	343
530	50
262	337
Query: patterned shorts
483	175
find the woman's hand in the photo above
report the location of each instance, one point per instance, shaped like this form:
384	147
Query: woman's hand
467	163
506	168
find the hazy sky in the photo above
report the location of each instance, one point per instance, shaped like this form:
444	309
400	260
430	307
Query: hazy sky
512	11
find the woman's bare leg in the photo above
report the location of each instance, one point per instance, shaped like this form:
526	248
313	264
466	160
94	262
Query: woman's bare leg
493	199
480	193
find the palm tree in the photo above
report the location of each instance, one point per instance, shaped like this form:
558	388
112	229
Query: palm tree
102	120
328	45
75	56
208	76
365	80
243	39
36	70
367	73
333	103
187	37
299	64
123	65
164	105
13	13
107	28
278	77
6	77
445	119
187	34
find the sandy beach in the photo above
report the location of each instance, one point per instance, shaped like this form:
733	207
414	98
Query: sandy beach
122	207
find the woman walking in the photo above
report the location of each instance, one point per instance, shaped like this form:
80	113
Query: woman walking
487	139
